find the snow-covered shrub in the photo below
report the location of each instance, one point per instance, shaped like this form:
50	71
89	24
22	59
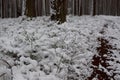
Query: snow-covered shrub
6	72
42	50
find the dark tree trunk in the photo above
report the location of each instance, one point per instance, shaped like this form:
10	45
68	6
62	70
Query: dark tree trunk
80	7
75	7
60	10
30	8
19	8
4	9
47	7
39	8
118	7
94	7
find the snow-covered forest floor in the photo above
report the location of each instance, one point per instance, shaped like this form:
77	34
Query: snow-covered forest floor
82	48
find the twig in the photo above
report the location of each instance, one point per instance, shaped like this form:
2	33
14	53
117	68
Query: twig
8	67
2	74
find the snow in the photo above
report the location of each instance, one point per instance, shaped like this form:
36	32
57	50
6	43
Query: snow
44	50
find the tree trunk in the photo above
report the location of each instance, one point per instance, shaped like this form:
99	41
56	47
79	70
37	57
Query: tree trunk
30	8
94	7
59	10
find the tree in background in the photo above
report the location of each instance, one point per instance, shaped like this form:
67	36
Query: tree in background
94	8
59	10
30	8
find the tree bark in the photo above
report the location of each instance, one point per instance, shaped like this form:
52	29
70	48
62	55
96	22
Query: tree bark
30	8
94	7
60	10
